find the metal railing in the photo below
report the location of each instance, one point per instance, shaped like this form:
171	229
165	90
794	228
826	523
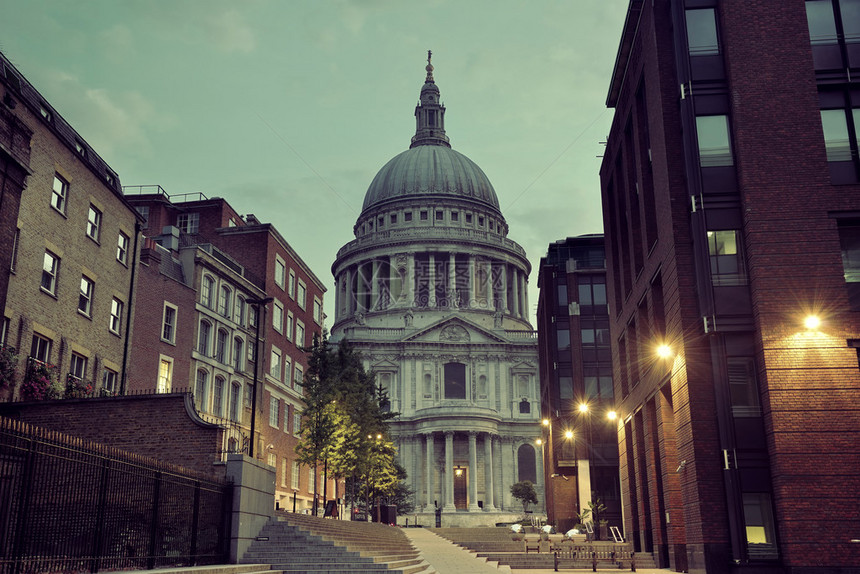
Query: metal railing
68	505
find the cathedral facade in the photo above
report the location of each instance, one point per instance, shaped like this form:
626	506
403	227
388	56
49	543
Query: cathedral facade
434	295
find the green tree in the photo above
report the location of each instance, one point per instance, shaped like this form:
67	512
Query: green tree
524	491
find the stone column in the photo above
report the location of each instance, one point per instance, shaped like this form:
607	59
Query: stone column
449	472
515	293
526	310
452	281
488	274
497	472
473	471
473	293
393	274
432	281
489	494
503	278
409	283
347	305
375	295
429	468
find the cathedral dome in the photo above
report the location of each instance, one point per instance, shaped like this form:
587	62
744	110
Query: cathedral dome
430	170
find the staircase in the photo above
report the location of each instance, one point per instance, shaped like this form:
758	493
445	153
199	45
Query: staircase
298	543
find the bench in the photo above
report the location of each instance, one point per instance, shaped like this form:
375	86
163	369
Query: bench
569	556
536	545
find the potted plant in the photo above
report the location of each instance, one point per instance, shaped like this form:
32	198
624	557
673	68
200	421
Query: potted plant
596	507
39	381
524	491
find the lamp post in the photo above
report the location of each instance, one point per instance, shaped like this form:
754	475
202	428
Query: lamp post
258	303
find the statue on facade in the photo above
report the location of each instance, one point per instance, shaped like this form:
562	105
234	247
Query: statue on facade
407	318
359	317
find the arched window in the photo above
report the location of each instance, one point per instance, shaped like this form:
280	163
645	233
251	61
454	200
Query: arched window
207	291
235	393
224	301
238	354
200	389
221	346
523	385
455	381
204	337
218	397
526	463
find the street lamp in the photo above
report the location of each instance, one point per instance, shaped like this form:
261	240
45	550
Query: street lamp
258	303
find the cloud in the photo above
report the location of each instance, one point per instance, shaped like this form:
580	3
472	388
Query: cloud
109	121
229	32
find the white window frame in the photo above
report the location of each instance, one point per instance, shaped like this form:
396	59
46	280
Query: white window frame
168	329
222	351
225	301
294	477
78	366
164	383
40	348
188	223
238	354
318	312
88	287
274	411
218	393
207	291
298	375
122	243
50	270
291	322
60	197
280	272
291	285
115	321
278	316
297	422
109	379
300	334
302	295
275	362
94	223
203	347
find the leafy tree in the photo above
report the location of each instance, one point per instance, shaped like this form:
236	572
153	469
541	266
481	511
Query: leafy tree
524	491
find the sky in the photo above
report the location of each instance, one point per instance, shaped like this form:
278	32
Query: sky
288	108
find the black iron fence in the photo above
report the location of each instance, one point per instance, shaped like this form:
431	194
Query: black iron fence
67	505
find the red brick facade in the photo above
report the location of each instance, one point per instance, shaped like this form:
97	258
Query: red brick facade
724	210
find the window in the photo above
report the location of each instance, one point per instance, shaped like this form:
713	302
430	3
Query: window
562	333
272	460
275	363
238	354
837	140
300	334
235	393
294	479
743	387
115	323
207	290
40	348
225	301
291	286
94	223
85	300
302	294
221	346
109	382
702	32
218	396
165	375
565	387
274	411
393	218
288	371
849	241
455	381
253	314
407	216
725	254
239	315
297	423
203	338
440	215
469	218
592	294
318	311
50	268
252	352
59	194
280	272
168	324
188	222
286	418
562	294
290	326
714	142
200	389
298	376
455	216
122	248
143	210
759	524
312	479
278	317
78	366
249	395
423	216
598	382
480	221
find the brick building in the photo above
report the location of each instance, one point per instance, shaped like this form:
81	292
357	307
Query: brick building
204	271
69	251
732	213
577	404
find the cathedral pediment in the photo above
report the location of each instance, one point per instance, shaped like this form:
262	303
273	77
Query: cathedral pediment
454	330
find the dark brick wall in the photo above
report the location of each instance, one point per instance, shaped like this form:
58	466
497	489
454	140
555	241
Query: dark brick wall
157	426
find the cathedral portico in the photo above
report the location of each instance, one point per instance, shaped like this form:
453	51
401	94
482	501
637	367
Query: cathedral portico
433	293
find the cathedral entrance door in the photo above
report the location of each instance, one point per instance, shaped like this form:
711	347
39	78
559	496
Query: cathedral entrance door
461	501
